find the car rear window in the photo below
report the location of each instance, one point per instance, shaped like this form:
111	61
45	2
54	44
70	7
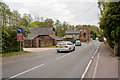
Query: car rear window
69	43
77	41
61	43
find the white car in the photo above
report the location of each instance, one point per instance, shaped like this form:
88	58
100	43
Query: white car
65	46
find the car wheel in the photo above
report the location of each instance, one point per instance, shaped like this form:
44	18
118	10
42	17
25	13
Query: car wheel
69	49
74	49
58	51
80	44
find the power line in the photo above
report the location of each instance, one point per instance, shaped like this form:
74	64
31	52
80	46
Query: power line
83	13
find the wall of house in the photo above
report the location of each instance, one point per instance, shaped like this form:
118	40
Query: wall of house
56	41
87	38
46	41
27	43
40	41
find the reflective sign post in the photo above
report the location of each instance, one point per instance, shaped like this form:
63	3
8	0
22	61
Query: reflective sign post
20	46
20	36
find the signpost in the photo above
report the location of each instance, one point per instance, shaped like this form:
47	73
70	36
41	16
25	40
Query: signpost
20	36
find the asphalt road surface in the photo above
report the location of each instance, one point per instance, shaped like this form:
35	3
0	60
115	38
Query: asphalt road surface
50	64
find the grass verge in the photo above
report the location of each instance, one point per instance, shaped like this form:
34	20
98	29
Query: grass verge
14	53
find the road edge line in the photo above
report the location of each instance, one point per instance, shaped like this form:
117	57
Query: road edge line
95	69
83	75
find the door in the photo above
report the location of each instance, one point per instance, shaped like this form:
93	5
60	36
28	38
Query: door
39	44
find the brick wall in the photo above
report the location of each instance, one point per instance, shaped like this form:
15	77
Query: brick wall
82	39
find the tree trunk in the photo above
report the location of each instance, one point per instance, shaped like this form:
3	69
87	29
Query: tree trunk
117	48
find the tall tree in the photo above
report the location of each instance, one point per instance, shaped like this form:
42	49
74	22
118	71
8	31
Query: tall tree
10	22
110	24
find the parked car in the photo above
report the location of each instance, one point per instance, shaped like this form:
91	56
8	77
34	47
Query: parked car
78	43
65	46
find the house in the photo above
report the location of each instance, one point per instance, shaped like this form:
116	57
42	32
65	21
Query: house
85	35
82	35
41	37
56	39
72	34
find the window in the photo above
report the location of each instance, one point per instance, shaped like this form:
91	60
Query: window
84	35
69	43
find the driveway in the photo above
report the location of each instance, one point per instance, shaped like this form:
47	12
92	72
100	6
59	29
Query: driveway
37	49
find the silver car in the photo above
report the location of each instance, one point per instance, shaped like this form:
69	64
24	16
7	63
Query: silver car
78	43
65	46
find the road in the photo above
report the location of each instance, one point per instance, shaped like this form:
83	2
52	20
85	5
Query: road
50	64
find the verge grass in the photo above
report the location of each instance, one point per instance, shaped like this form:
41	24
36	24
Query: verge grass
13	53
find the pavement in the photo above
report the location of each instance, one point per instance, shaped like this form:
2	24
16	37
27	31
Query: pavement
36	50
103	65
33	52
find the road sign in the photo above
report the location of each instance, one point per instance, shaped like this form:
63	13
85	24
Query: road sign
19	30
19	37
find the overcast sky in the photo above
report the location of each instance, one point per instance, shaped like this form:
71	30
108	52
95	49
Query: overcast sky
72	11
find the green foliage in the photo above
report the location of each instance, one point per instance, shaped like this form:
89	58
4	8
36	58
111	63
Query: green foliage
45	23
110	21
60	29
10	22
14	53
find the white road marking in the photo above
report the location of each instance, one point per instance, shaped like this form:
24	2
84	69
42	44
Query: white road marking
83	75
95	69
63	56
27	71
92	57
97	49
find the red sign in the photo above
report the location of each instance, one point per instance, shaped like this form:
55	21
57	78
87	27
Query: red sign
19	37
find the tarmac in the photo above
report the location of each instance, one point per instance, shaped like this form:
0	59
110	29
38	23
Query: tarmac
103	65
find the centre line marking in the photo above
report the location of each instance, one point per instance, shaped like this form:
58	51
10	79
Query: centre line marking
27	71
63	56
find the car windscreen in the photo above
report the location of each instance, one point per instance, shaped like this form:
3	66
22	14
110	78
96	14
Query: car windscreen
61	43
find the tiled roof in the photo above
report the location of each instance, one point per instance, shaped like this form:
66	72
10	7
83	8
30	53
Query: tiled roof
56	37
72	31
38	31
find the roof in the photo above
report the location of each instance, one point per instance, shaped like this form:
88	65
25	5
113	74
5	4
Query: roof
56	37
38	31
85	33
72	31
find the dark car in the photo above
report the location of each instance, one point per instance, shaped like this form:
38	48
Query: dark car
78	43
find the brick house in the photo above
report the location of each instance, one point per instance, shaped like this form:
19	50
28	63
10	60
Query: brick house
56	39
72	34
40	37
82	35
85	35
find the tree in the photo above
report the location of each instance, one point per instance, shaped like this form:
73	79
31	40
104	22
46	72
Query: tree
110	23
26	20
60	29
10	22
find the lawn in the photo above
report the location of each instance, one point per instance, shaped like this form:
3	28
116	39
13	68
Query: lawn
13	53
